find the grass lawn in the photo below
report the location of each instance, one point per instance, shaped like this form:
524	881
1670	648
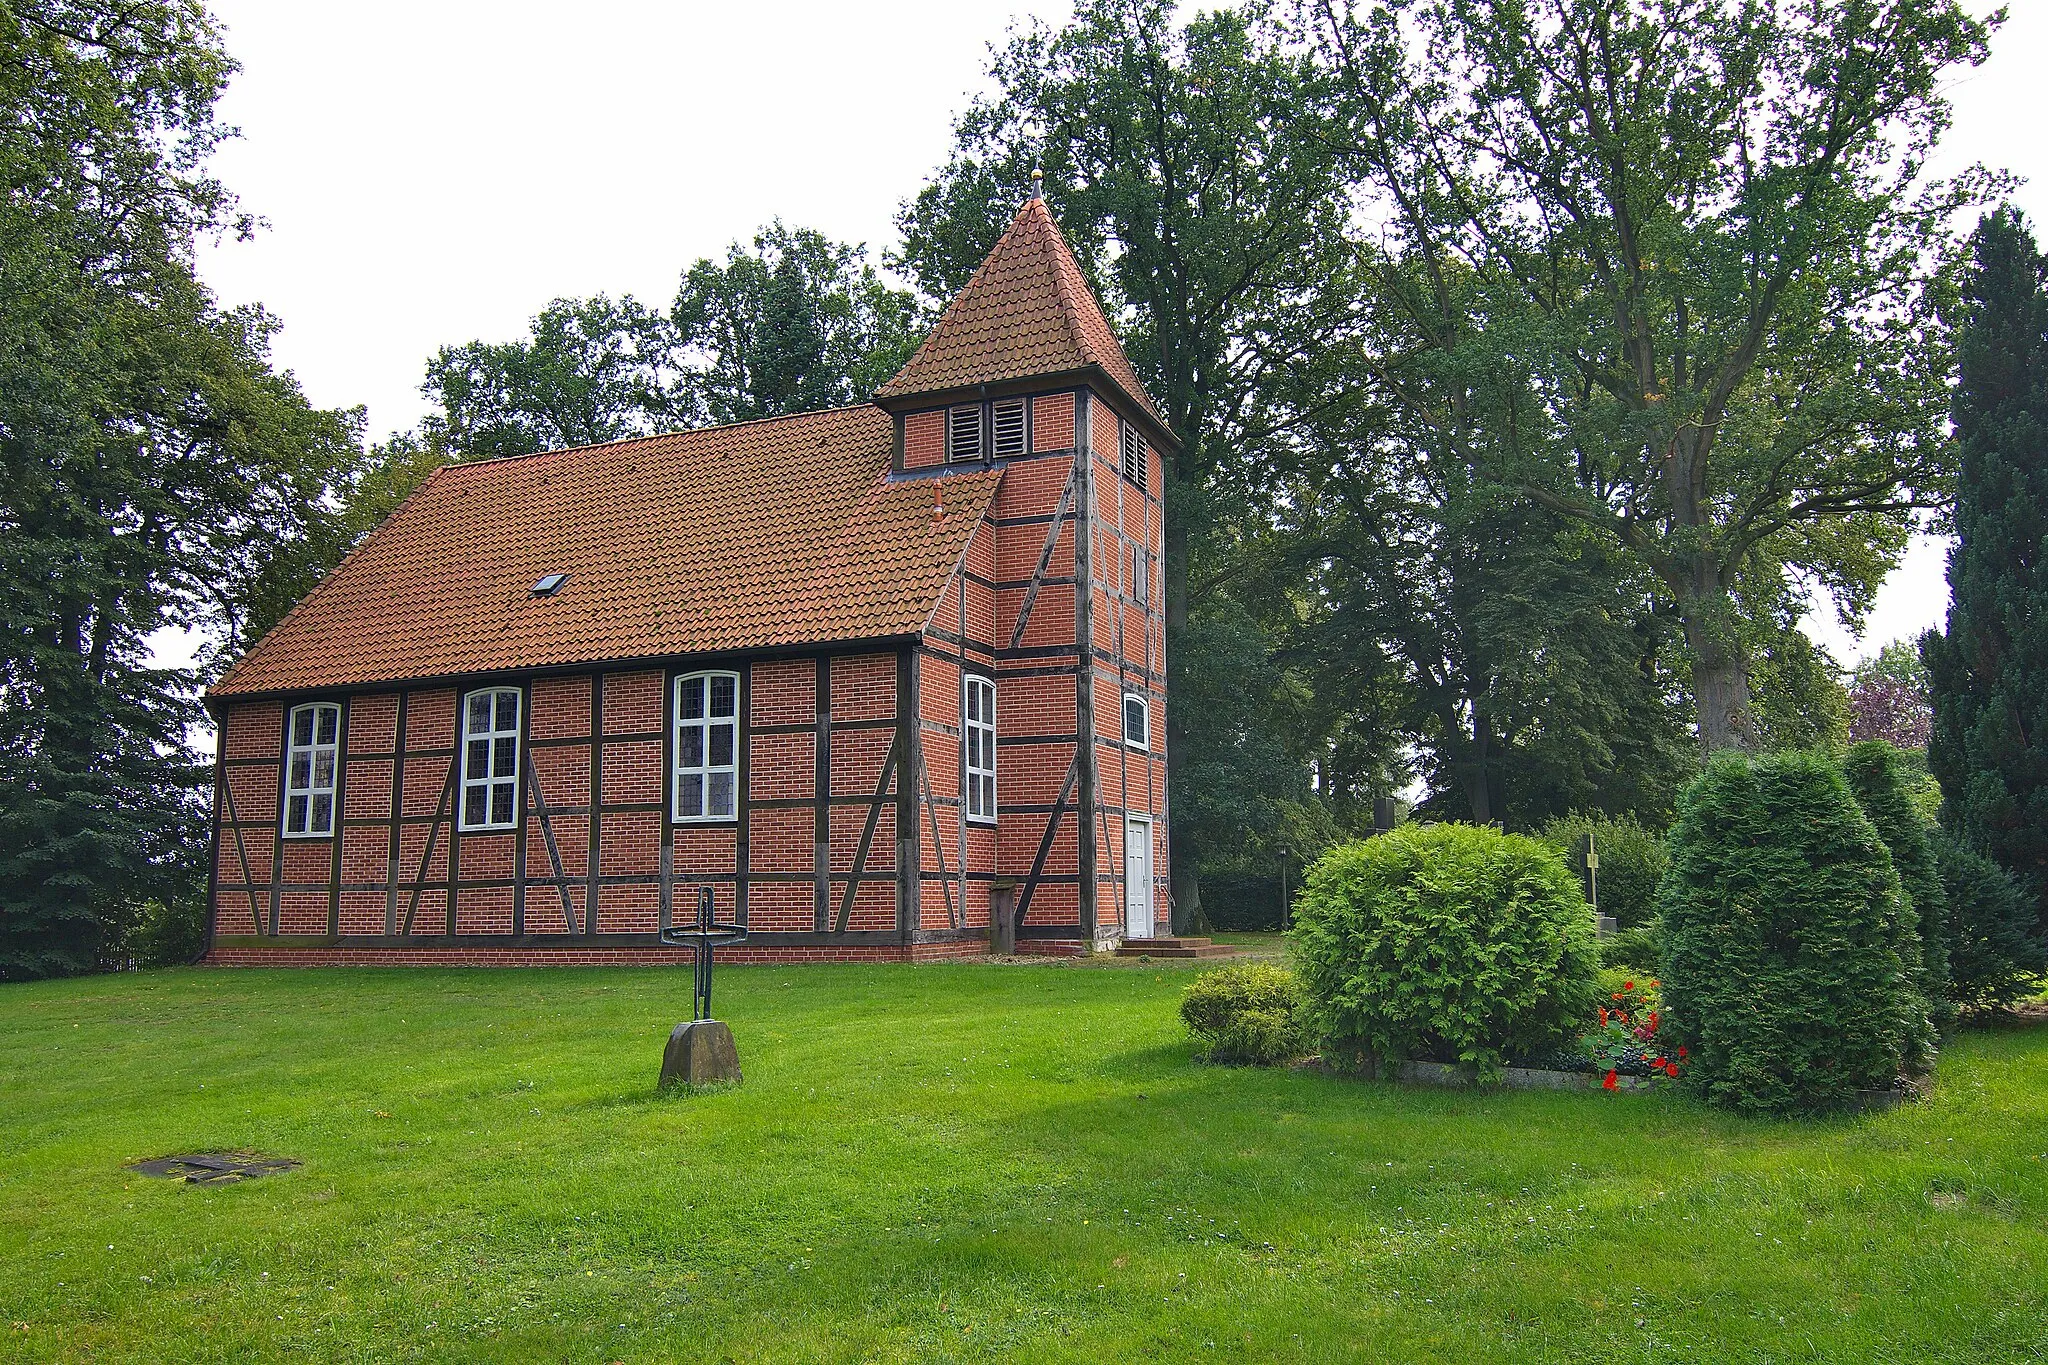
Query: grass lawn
947	1163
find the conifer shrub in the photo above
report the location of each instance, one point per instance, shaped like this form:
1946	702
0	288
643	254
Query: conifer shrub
1882	782
1783	921
1633	948
1452	943
1632	861
1247	1012
1996	951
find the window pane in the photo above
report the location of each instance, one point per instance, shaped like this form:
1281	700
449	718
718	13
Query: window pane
1134	720
501	803
721	746
295	815
988	795
690	746
690	794
506	760
323	768
473	805
690	698
721	795
323	814
302	770
724	696
479	758
302	727
330	723
508	711
480	713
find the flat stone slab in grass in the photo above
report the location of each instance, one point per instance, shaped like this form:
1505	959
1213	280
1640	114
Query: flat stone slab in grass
213	1168
700	1052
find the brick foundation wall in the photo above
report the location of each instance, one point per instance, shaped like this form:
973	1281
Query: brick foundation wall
650	956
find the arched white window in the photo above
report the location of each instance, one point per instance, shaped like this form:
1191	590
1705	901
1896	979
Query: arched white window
706	779
1137	721
490	759
978	733
311	768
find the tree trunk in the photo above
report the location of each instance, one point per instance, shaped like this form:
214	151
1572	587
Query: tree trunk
1720	672
1184	887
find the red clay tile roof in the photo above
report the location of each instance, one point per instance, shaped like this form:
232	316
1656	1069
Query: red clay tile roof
780	532
1027	311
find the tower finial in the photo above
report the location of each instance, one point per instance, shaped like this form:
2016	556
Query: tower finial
1038	182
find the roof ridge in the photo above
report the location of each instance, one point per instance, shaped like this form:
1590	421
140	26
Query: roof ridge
657	436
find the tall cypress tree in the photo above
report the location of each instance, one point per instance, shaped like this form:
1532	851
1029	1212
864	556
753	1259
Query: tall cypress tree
1989	671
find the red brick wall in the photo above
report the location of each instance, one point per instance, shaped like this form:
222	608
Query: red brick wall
924	440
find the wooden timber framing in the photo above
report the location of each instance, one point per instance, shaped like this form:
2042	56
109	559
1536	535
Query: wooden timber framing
630	867
1087	797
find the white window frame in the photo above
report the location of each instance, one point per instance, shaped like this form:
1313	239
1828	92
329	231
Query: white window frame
956	432
1141	576
705	723
1018	437
979	794
491	781
312	789
1144	739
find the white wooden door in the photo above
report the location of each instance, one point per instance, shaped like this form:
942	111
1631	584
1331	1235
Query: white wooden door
1137	877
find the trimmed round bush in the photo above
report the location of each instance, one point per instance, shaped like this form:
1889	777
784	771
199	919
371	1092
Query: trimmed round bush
1782	924
1248	1012
1996	953
1445	942
1881	780
1632	861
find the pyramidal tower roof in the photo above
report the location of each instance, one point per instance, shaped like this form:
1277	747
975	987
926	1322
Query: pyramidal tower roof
1028	311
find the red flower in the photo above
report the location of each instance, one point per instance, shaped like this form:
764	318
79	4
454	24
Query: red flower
1657	1061
1682	1054
1671	1070
1655	984
1608	1083
1603	1018
1628	985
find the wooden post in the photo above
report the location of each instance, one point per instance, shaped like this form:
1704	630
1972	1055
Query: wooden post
1002	917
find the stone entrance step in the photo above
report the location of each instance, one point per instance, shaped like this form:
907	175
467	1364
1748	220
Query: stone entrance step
1173	947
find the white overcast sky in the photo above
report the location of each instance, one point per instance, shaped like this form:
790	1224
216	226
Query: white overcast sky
436	172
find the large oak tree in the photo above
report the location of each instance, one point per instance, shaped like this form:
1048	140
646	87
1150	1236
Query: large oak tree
1699	238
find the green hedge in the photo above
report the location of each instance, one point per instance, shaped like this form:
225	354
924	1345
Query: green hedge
1452	942
1246	1012
1881	780
1632	861
1637	948
1996	953
1783	921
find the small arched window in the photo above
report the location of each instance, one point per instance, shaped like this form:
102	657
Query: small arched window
1137	721
706	775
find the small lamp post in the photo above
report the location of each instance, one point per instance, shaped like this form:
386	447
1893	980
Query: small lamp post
701	1049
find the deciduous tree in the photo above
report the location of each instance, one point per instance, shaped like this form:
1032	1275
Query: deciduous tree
150	459
1699	239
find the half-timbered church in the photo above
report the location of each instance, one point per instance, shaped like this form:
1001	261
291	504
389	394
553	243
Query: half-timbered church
870	675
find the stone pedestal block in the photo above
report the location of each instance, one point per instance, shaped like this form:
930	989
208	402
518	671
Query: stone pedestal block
699	1052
